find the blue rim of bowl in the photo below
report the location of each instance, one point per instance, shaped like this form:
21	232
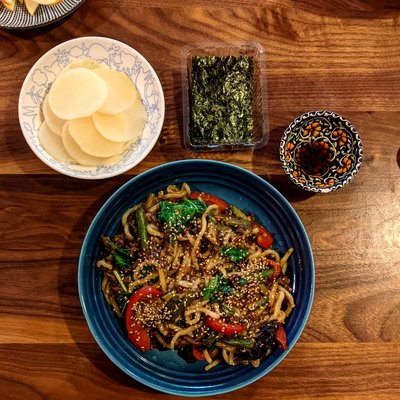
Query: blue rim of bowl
146	367
312	114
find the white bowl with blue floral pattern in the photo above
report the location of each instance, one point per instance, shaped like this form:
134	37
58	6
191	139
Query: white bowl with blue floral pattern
117	56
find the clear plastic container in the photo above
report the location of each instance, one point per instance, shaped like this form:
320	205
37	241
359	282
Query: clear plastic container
259	130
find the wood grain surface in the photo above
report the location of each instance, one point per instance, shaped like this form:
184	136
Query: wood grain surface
337	55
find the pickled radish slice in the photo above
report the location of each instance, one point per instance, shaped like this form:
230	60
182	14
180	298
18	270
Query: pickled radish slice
122	93
56	124
88	138
53	144
122	127
76	93
80	156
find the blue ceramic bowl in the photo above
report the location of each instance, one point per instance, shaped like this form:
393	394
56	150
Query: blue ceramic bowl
165	370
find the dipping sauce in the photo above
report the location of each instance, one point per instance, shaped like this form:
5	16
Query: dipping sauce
315	157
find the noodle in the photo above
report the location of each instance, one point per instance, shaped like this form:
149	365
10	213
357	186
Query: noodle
141	282
277	306
163	281
182	332
207	356
152	230
212	365
285	258
200	235
103	264
124	221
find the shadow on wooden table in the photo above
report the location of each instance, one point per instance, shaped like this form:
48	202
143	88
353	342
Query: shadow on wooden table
368	9
89	196
398	157
279	180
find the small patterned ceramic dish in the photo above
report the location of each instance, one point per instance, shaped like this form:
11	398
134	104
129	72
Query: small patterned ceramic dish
117	56
44	15
321	151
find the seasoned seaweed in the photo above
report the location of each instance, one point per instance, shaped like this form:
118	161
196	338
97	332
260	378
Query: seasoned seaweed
221	100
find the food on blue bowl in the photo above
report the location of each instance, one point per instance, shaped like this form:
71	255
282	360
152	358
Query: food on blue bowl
189	271
221	100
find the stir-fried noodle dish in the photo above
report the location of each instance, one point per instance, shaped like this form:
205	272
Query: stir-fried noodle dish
187	271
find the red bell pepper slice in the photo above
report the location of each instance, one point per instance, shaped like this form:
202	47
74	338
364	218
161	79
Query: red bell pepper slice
209	199
145	292
264	238
276	267
226	329
280	336
136	333
197	354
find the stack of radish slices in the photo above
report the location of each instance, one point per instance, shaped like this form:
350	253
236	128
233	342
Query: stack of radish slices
92	114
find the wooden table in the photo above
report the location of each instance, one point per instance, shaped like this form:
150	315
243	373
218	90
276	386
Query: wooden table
339	55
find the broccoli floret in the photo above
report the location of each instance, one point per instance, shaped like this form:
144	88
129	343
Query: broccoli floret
235	255
216	288
177	215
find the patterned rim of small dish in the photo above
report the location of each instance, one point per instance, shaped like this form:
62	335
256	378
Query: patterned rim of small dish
116	55
309	184
44	15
